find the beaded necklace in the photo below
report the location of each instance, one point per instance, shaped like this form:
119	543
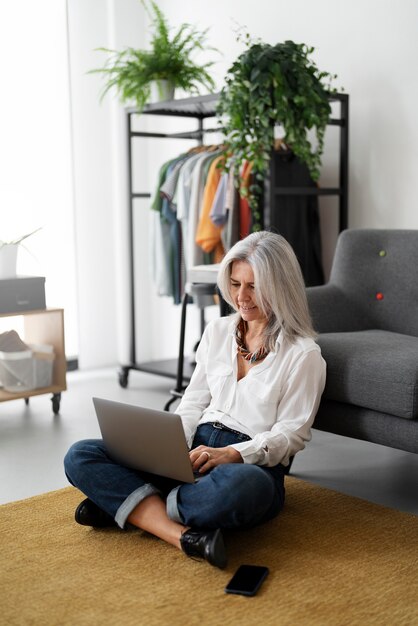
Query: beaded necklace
242	349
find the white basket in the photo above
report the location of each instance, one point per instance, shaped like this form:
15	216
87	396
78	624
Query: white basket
27	369
16	370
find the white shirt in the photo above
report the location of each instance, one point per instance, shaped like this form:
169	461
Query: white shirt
275	403
197	188
182	200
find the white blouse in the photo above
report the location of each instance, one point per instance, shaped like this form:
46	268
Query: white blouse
275	403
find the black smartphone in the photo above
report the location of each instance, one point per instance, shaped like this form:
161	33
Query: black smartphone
247	580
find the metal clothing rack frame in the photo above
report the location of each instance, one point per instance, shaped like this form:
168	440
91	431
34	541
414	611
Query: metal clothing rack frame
197	108
200	108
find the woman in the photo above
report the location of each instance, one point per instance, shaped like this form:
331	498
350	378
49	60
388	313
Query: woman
248	409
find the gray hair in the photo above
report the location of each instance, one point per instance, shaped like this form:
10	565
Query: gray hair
278	284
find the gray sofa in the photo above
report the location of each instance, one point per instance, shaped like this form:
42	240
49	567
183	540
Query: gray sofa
367	320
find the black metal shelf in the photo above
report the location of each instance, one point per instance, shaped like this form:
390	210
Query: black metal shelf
198	107
201	107
307	191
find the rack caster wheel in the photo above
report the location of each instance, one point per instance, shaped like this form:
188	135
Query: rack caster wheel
56	401
123	376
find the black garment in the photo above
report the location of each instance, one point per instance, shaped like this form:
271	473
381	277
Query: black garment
296	217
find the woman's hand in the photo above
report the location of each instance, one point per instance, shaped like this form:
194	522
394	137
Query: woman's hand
204	458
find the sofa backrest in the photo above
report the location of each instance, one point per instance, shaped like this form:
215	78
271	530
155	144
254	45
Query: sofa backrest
377	271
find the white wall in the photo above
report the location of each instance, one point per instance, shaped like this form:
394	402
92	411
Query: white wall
370	44
100	203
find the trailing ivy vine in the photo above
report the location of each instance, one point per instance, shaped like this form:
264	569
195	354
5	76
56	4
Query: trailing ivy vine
267	86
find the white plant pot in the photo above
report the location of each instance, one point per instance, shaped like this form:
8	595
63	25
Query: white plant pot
8	260
161	90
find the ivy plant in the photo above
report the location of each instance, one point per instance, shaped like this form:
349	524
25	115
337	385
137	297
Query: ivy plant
170	57
267	86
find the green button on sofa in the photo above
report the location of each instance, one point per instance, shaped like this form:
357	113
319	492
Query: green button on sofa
367	320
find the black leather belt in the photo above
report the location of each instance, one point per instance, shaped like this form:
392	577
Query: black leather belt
220	426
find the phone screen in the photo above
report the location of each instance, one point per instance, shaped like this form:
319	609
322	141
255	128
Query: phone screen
247	580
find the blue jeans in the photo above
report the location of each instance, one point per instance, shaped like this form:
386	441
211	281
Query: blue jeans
233	495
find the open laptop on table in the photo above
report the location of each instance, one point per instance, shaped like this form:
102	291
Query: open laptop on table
145	439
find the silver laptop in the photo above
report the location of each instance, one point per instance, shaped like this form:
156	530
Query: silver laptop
145	439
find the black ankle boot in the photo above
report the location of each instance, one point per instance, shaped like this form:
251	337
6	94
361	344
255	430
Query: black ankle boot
206	544
89	514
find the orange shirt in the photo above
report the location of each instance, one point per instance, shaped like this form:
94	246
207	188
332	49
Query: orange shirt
208	235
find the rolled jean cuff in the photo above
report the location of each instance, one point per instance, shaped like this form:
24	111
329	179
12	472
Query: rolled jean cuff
172	508
132	501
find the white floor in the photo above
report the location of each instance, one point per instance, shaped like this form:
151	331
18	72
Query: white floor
33	443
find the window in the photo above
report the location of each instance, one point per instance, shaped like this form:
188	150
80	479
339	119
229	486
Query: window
35	149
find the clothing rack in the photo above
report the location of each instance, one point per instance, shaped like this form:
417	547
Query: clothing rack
200	109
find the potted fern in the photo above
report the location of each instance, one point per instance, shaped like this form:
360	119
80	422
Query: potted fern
167	65
268	86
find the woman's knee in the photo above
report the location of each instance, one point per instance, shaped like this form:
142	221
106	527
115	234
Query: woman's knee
246	487
230	496
79	453
252	481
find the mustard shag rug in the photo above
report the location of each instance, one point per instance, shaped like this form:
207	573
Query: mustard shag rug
334	561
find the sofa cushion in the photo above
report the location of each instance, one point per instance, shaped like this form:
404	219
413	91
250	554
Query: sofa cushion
375	369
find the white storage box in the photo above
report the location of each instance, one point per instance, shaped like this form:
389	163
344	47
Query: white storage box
26	369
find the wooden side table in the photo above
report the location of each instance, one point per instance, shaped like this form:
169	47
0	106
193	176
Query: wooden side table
44	326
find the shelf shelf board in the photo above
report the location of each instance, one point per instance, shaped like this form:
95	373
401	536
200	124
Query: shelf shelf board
196	106
9	395
201	106
167	367
307	191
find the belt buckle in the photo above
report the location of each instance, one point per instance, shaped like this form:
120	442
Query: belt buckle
217	425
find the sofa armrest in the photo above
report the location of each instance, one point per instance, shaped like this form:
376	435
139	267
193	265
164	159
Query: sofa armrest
332	311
